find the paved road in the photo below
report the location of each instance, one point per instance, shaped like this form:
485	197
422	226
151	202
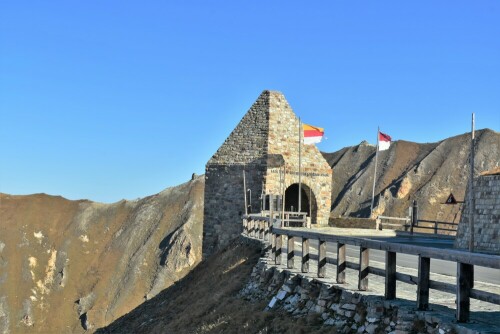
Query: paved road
482	274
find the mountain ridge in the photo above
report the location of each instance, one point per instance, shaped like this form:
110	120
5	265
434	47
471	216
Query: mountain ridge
426	172
91	263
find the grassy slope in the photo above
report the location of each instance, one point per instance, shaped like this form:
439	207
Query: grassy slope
206	301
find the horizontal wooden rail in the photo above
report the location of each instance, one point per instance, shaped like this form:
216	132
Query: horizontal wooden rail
394	218
484	260
263	228
435	228
412	280
437	222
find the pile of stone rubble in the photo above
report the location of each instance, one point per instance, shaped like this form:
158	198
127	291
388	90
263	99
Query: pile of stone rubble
348	311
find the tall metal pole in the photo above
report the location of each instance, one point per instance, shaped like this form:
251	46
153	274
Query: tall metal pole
284	192
263	199
375	173
271	214
310	203
471	189
250	199
299	209
245	191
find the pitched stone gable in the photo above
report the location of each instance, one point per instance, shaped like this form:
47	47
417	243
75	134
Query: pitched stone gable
248	141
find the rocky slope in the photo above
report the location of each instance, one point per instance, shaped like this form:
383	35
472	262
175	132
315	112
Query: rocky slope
425	172
209	300
67	266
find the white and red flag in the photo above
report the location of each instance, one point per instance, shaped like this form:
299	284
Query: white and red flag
384	141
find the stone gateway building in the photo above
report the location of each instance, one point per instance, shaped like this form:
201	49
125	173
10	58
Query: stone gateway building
264	147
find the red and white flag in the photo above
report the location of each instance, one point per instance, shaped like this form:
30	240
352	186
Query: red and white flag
384	141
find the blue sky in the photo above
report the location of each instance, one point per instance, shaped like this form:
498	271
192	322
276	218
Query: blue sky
120	99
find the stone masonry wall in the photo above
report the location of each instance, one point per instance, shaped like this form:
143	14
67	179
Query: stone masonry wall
265	139
486	217
224	197
284	139
245	148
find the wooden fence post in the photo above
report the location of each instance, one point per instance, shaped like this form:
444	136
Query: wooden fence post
277	260
266	230
341	264
364	254
305	255
290	250
321	258
414	216
390	275
424	269
465	282
252	228
273	247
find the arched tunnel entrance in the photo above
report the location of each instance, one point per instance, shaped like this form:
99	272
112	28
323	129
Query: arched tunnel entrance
308	200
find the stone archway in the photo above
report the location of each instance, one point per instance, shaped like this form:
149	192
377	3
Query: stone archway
308	200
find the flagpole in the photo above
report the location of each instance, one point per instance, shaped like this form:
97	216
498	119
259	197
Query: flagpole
375	174
471	188
300	167
245	190
284	193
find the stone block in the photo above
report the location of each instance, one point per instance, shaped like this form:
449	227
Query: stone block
350	307
335	307
349	314
370	329
319	309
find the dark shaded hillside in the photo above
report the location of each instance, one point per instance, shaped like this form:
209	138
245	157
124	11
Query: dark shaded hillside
69	265
207	301
425	172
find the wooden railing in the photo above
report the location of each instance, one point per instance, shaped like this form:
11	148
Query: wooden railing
262	228
290	218
452	227
406	225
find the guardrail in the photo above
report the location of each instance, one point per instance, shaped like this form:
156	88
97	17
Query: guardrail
436	228
406	225
262	228
290	218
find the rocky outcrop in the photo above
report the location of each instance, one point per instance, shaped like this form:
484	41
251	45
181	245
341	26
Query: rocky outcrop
427	173
70	266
